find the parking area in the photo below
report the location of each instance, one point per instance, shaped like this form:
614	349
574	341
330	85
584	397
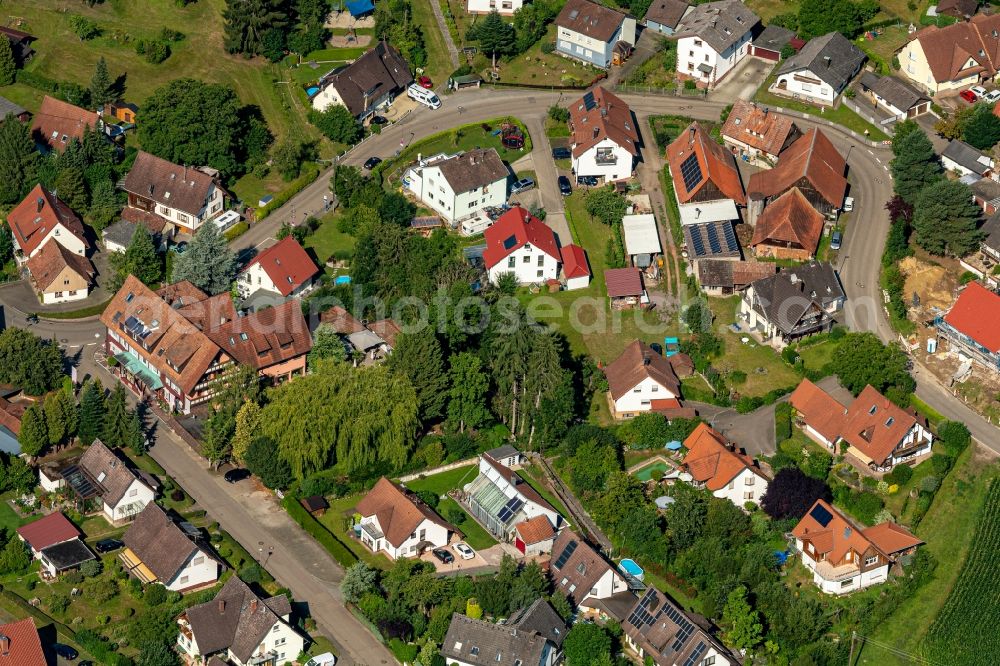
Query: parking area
489	557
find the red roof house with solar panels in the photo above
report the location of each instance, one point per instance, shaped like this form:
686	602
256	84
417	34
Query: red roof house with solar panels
575	269
520	243
845	557
972	326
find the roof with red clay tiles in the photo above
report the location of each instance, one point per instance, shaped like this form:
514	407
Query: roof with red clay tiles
590	19
512	231
46	266
812	157
789	219
621	282
608	118
48	531
25	648
574	260
626	371
36	216
758	127
835	539
535	530
398	510
976	314
710	461
10	415
265	337
716	164
287	264
961	49
819	409
890	538
58	122
874	425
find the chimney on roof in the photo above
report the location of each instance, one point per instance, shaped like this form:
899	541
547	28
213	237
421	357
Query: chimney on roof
794	278
40	204
4	646
253	605
150	188
222	605
691	134
765	111
827	59
645	359
697	213
597	130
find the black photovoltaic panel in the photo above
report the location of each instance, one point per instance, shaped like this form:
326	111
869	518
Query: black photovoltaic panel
691	172
697	242
696	655
509	509
642	615
731	243
713	238
588	101
132	324
684	627
821	515
510	242
567	551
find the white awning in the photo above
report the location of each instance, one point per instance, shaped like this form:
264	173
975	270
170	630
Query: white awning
709	211
641	236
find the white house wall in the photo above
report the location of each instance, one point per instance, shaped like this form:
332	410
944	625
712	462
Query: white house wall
285	641
199	570
212	207
639	398
529	265
61	235
586	164
693	51
821	93
502	7
430	186
132	502
745	483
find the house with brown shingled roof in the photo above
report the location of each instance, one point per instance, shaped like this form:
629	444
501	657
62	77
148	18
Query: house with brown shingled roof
240	627
948	59
366	85
102	475
603	136
60	276
159	550
757	134
716	464
58	123
637	378
589	32
580	572
843	556
181	195
396	522
789	228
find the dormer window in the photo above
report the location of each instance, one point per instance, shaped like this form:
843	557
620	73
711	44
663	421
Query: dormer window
474	651
889	421
873	410
244	337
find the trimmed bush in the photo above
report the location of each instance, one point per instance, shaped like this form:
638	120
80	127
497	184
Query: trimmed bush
325	537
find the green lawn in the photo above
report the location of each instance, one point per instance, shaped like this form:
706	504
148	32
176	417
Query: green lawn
336	519
948	529
555	129
339	54
327	241
815	356
61	55
475	535
533	475
9	520
438	65
538	68
441	483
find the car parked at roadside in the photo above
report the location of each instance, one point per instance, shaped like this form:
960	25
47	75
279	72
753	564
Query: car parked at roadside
522	185
848	204
372	162
65	651
561	154
992	96
565	188
979	91
835	240
236	475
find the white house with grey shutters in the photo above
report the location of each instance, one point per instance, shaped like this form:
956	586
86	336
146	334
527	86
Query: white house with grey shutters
821	70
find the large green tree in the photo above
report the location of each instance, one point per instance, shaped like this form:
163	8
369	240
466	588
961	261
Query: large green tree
102	89
27	361
606	205
327	343
467	394
337	124
208	263
915	166
18	160
34	435
418	357
495	36
93	411
247	426
585	644
863	359
983	129
744	629
60	416
140	259
264	459
248	20
946	219
104	204
120	421
819	17
8	65
71	185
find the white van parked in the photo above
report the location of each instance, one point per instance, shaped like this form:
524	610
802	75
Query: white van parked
424	96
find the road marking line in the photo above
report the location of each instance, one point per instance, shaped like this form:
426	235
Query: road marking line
871	152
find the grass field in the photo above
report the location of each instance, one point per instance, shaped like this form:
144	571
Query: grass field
538	68
440	484
475	535
335	519
327	240
533	475
438	63
61	55
948	529
9	520
815	356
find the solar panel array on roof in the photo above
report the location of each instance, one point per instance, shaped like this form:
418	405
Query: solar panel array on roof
509	242
567	551
713	238
696	655
821	515
588	101
684	628
697	242
731	244
642	615
512	506
691	172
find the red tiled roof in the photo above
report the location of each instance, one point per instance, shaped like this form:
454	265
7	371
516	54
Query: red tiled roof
57	119
758	127
716	163
574	260
890	538
836	538
789	219
10	415
48	531
25	648
874	425
287	264
976	314
623	282
812	157
819	409
36	216
265	337
513	230
949	49
535	530
710	461
608	118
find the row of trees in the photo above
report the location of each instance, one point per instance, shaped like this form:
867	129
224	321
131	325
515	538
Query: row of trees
496	37
819	17
270	27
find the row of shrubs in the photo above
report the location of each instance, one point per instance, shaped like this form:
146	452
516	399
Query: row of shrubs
309	173
325	537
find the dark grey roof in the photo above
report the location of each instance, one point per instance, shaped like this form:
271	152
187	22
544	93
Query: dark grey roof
120	232
986	189
895	91
965	155
666	12
670	635
472	170
8	107
732	274
501	452
785	297
845	60
711	239
67	554
721	24
539	618
774	38
160	543
112	476
991	232
378	72
236	619
486	644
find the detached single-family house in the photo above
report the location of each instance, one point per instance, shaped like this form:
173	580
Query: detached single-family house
772	40
641	380
241	628
882	435
818	413
284	270
714	463
592	583
972	325
660	630
576	269
499	498
713	38
502	7
42	217
158	550
756	134
821	70
396	522
459	186
603	136
55	543
811	164
844	557
793	303
664	15
960	157
789	228
118	236
590	32
520	243
942	60
57	123
532	636
706	181
895	96
20	644
723	277
366	85
60	276
102	476
184	196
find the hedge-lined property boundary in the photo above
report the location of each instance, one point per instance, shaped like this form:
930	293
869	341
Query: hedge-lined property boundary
325	537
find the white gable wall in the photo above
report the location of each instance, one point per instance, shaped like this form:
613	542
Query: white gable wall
132	502
285	642
430	186
61	235
615	162
529	264
199	570
693	51
805	84
745	487
638	399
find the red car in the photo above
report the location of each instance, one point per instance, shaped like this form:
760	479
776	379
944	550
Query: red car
425	82
968	96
